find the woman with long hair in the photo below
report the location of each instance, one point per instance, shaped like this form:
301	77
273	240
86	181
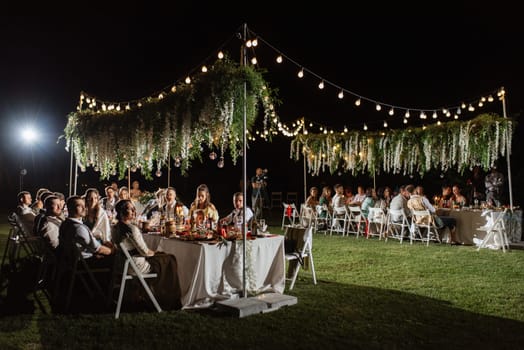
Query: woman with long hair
96	218
166	285
203	202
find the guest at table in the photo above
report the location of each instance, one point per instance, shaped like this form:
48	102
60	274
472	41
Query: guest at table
174	208
237	215
165	286
457	197
312	199
418	201
109	201
38	203
445	198
135	192
383	198
24	212
49	227
348	194
203	201
63	207
359	197
123	193
156	204
325	201
400	202
96	218
368	202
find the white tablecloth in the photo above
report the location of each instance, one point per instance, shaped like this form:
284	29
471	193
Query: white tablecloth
209	272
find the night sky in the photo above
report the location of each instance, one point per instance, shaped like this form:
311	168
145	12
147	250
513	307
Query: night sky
412	56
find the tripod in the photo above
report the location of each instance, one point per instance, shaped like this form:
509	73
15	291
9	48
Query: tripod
258	204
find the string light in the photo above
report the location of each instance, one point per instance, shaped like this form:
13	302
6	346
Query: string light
321	85
300	73
341	94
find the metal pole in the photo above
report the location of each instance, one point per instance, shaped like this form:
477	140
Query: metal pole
305	171
168	170
243	60
503	97
129	180
71	169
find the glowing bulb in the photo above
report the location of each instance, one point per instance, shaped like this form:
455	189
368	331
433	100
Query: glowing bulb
254	60
378	107
463	105
160	96
471	108
128	107
391	111
321	85
341	94
405	121
204	70
490	98
406	115
213	155
254	42
357	102
220	55
173	88
158	173
188	80
385	124
279	59
118	108
301	73
249	43
434	116
365	127
481	104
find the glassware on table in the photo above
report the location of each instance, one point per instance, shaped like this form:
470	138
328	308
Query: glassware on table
238	223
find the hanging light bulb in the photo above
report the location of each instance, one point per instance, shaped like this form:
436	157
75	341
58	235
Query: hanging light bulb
220	55
279	59
321	85
481	103
300	73
220	163
118	108
212	155
173	88
391	111
406	115
341	94
158	173
405	121
378	107
96	168
188	80
254	42
357	102
365	127
438	123
249	43
490	98
434	116
385	124
471	108
463	105
160	96
204	70
459	110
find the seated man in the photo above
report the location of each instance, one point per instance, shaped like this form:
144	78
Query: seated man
236	216
74	231
24	212
400	202
49	226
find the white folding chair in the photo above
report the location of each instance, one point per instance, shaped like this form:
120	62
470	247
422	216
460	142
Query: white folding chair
290	214
308	217
357	222
397	224
322	218
128	261
423	227
496	234
339	220
376	222
303	256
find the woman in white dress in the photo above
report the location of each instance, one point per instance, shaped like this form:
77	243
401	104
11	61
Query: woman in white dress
96	218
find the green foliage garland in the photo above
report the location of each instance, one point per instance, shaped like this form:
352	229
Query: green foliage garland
456	144
209	111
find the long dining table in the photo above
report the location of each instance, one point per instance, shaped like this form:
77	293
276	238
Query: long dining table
469	220
211	271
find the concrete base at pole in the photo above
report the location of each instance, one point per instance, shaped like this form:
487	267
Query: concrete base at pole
262	303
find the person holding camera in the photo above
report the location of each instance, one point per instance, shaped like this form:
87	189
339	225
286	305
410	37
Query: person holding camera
259	193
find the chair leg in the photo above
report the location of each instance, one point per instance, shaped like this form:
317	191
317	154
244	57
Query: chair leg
310	257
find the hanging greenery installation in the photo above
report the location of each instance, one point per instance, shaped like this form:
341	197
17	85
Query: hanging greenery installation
207	111
456	144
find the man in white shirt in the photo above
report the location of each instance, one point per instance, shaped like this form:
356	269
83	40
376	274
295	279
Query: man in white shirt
50	225
236	216
25	214
172	208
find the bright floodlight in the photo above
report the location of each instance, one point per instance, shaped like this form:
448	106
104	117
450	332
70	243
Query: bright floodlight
29	135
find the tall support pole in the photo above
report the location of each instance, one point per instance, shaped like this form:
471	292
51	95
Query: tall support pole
305	170
243	62
129	179
169	171
71	160
503	98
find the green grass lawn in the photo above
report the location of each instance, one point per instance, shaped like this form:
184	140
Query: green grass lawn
370	294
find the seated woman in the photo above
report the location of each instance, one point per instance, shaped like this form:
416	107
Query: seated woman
312	200
325	202
457	197
96	218
368	201
166	285
203	202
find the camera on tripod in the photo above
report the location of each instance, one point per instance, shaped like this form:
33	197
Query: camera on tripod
263	177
